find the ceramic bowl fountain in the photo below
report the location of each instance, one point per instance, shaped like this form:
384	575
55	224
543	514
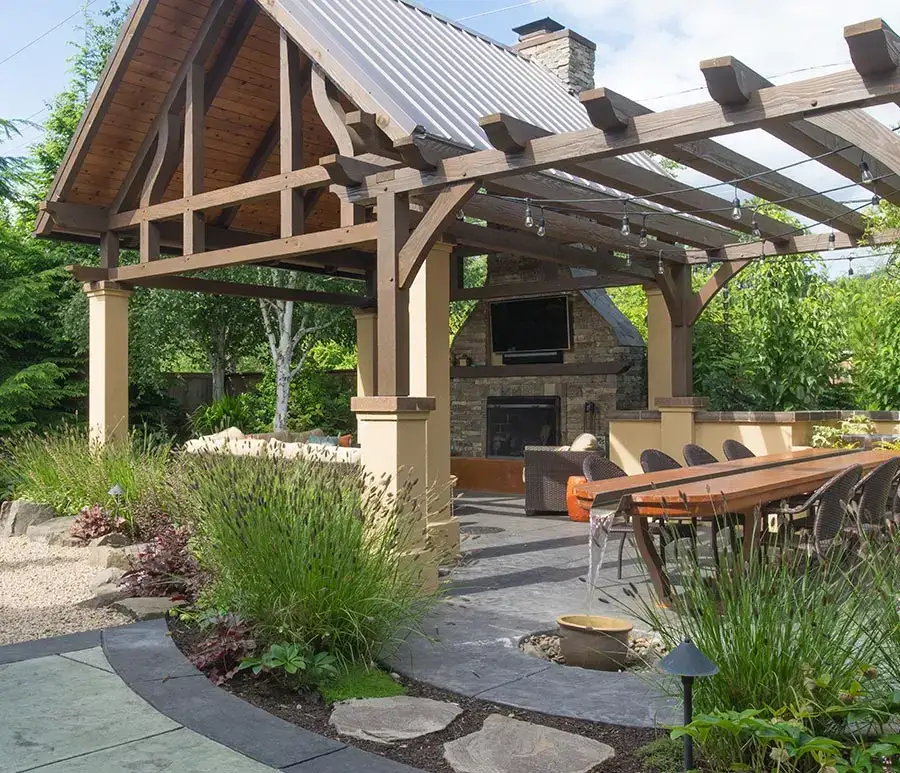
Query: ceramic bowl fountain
592	641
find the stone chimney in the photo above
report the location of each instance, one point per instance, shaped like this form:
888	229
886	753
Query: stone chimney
568	55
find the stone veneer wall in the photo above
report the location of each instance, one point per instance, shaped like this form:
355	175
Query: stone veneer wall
593	341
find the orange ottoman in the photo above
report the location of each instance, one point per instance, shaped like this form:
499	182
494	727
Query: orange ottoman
573	505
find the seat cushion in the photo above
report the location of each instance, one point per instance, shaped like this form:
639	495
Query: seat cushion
585	442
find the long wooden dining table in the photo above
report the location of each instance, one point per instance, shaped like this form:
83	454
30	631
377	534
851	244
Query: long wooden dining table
710	491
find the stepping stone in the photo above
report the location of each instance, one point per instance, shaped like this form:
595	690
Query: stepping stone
385	720
505	745
148	608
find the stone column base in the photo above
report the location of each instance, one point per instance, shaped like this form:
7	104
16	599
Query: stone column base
444	539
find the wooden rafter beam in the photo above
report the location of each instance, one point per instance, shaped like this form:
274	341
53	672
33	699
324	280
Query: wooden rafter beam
512	135
439	215
536	289
306	179
494	240
359	236
722	163
234	289
821	95
804	244
844	136
347	170
230	49
874	47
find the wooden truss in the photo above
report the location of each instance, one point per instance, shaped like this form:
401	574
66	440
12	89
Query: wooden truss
402	195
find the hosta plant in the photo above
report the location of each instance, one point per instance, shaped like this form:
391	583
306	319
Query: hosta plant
298	666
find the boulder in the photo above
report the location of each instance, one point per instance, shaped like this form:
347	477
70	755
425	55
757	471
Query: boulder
104	595
112	540
150	608
104	557
505	745
57	531
385	720
108	576
18	515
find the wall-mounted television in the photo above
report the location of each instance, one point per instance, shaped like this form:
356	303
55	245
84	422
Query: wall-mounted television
532	325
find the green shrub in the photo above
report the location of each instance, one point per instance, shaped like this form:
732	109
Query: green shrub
794	638
64	470
299	550
221	414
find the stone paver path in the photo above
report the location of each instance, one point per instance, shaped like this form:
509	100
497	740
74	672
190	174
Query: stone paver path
71	714
386	720
505	745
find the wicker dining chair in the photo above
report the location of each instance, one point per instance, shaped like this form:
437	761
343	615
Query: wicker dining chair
696	456
829	507
657	461
736	450
598	467
873	493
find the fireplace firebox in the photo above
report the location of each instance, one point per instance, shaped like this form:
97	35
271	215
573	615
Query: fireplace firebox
516	422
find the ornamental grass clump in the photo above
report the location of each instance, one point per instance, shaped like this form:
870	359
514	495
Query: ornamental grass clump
306	552
64	470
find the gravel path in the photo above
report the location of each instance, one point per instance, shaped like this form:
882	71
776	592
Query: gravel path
40	587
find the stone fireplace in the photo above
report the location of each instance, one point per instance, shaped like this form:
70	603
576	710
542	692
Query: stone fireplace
516	422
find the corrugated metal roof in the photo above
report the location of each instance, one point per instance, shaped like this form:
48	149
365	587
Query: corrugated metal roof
430	73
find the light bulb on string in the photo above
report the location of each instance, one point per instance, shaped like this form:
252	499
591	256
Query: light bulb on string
542	227
460	215
529	215
643	240
832	239
876	200
660	268
849	266
628	260
754	227
737	213
626	226
865	174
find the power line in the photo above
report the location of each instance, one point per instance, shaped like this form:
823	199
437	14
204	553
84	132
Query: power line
500	10
43	35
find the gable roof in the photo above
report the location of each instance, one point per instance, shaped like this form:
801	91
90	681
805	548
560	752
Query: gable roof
432	75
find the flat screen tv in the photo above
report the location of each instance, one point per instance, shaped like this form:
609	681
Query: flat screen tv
533	325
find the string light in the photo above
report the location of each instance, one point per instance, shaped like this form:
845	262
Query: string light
660	269
460	215
832	239
737	213
542	228
754	227
529	215
643	240
849	266
626	226
628	260
865	174
876	200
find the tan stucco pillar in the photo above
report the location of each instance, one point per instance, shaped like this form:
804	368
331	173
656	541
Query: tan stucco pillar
366	348
108	362
429	374
392	436
677	423
659	348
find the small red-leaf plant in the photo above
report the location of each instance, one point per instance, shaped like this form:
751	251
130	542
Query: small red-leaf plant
220	655
96	521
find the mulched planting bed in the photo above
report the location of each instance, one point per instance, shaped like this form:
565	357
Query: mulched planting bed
309	711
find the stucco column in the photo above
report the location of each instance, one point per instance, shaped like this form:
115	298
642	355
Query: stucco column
108	361
677	428
659	347
392	436
366	349
429	374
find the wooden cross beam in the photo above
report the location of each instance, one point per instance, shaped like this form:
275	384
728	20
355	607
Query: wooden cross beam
609	109
536	289
821	95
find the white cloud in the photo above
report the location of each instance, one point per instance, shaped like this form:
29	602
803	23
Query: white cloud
650	50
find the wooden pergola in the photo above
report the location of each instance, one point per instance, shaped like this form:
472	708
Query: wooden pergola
318	178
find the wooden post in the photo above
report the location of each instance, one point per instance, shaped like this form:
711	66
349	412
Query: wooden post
393	303
194	157
682	332
291	98
109	249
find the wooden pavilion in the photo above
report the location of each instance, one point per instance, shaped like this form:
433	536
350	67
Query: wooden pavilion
346	136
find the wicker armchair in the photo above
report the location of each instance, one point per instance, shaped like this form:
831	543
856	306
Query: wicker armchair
735	450
829	507
696	456
657	461
547	470
873	493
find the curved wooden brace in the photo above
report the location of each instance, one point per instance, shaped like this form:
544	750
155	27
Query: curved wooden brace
330	111
168	153
717	282
439	215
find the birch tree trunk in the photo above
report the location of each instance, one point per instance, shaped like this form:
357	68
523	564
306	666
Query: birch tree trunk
218	357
